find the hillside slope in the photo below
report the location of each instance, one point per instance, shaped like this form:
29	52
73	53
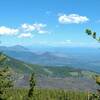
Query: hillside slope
52	71
50	76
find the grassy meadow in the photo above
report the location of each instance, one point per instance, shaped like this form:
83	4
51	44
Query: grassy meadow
46	94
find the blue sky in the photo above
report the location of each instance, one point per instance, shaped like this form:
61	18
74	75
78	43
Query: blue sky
48	22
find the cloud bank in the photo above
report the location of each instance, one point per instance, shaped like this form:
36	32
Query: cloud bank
72	19
8	31
25	30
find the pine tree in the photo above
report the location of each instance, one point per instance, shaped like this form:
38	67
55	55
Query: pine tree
2	58
94	36
5	78
31	93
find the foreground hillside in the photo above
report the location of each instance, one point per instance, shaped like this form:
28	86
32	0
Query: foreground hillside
47	94
52	82
51	76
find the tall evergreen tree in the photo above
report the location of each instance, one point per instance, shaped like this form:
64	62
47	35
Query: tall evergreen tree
5	78
31	93
94	35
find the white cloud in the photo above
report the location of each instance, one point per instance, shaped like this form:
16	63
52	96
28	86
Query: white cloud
39	26
28	27
34	27
25	30
72	19
25	35
8	31
42	32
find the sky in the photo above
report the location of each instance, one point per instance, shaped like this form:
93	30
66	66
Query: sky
49	22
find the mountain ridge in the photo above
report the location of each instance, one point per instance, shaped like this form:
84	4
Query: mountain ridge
84	58
26	68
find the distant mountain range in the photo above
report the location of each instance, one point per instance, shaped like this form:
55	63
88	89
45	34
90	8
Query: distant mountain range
23	54
40	70
14	48
83	58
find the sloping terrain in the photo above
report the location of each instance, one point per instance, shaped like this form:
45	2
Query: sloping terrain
52	71
51	76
